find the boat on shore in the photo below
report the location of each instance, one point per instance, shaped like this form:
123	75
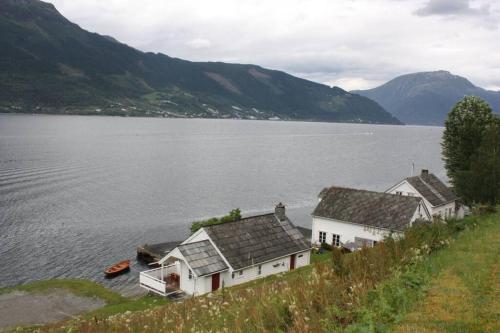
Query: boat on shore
117	269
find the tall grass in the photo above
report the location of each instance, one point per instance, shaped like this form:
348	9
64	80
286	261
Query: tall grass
330	296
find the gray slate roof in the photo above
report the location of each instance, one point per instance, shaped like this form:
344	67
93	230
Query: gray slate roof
256	239
432	189
306	232
375	209
202	257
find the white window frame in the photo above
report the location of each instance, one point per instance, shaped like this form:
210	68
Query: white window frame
322	237
190	274
335	240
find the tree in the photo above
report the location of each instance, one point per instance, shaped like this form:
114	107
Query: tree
464	129
484	175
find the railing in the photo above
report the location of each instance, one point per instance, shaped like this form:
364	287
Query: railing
153	279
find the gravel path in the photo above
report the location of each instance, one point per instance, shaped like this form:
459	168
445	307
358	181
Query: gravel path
21	308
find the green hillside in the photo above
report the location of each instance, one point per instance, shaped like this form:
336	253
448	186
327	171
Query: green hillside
51	65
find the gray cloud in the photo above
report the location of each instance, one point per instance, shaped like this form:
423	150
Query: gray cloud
452	7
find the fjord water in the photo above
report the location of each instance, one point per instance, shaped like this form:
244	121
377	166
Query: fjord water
80	193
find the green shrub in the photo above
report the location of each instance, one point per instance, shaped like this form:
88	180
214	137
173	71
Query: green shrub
484	209
233	215
326	246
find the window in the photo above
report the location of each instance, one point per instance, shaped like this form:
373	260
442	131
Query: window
190	274
259	270
301	255
411	194
399	193
335	240
232	275
322	237
241	272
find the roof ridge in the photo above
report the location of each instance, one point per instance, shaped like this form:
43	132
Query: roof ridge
200	241
240	220
409	198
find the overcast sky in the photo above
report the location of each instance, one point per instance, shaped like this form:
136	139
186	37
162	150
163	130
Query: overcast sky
354	44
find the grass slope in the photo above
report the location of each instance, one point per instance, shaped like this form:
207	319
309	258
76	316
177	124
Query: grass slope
465	296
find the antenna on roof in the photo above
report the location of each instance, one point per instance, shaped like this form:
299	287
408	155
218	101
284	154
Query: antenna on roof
412	169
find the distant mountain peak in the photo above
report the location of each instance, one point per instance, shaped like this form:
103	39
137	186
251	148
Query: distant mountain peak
425	98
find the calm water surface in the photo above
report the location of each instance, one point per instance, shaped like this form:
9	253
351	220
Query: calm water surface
80	193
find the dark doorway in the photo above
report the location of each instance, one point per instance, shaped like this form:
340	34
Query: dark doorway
292	261
215	281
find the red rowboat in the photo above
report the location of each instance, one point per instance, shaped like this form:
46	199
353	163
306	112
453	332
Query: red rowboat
118	268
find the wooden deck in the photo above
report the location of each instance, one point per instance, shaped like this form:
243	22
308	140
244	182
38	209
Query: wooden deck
172	282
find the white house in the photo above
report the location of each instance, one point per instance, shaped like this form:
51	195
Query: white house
355	218
228	254
439	198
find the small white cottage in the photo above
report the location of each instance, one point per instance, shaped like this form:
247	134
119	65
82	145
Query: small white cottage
439	198
355	218
228	254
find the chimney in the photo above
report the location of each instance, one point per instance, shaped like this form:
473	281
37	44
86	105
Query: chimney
425	172
279	211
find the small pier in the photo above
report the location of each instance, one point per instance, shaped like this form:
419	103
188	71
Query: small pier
151	253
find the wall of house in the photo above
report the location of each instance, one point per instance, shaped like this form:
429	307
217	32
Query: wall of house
197	237
347	231
443	211
187	285
421	213
272	267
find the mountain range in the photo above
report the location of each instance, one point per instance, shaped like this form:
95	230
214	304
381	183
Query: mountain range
425	98
51	65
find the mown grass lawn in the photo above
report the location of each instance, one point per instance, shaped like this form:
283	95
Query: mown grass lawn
465	295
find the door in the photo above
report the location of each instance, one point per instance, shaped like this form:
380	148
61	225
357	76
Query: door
215	281
292	261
